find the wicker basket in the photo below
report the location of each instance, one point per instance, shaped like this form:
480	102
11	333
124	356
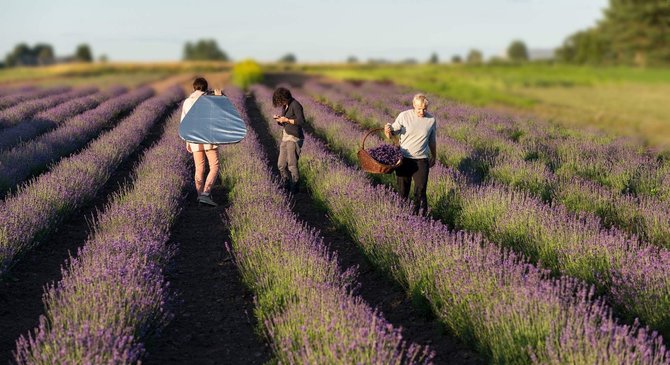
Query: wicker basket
369	164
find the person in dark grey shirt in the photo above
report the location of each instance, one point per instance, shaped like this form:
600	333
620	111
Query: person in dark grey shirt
292	119
417	131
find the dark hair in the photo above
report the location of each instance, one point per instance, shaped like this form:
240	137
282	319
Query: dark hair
200	84
281	96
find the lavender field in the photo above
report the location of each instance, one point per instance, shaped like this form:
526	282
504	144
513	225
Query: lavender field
542	244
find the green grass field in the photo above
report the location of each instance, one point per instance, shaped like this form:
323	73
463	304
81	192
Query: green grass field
625	101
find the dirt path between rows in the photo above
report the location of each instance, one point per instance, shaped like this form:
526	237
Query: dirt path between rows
214	322
163	84
21	291
375	288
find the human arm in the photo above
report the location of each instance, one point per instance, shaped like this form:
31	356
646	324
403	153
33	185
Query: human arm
186	107
183	111
433	153
432	145
393	129
298	116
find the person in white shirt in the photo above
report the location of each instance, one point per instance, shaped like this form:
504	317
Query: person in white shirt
417	131
203	154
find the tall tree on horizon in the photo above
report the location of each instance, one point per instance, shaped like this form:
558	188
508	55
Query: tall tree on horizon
639	31
204	50
517	51
632	32
586	47
475	57
83	53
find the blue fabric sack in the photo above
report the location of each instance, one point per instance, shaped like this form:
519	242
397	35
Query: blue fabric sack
213	120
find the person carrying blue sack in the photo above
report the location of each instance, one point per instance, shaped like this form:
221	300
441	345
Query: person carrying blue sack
203	153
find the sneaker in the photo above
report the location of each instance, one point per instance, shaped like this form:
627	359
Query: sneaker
294	187
206	199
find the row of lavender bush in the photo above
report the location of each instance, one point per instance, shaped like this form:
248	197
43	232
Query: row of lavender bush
303	298
512	311
114	294
37	208
502	161
31	157
632	274
51	118
614	163
8	90
618	164
26	95
20	112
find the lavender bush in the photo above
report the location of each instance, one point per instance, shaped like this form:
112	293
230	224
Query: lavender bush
40	205
614	164
114	294
513	311
5	90
51	118
619	166
303	298
549	234
13	115
652	181
29	94
26	159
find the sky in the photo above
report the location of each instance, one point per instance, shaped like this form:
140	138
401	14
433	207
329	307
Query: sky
314	31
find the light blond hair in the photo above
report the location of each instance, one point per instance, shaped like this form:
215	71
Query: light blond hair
420	98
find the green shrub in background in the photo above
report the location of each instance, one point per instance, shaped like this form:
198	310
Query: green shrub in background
246	73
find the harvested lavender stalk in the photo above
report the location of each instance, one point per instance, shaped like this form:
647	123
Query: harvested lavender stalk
386	154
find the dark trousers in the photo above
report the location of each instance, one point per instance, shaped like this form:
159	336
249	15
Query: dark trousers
417	170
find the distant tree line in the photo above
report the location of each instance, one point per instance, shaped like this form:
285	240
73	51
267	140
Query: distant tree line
42	54
632	32
209	50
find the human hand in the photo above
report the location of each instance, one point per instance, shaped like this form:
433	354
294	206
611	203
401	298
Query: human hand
218	92
431	161
387	130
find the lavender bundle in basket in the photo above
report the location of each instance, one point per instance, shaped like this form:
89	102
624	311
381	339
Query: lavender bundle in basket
386	154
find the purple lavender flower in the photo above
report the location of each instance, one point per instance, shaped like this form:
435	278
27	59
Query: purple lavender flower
23	111
303	296
386	154
114	293
40	205
515	311
26	159
51	118
29	94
